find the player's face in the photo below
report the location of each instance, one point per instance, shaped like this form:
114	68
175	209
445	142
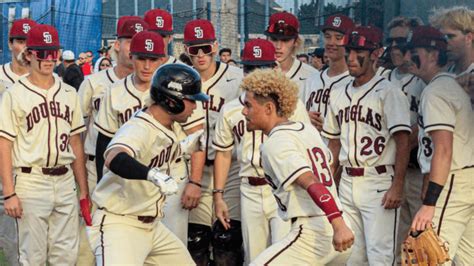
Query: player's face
189	107
202	56
145	67
283	48
224	57
317	62
397	36
458	43
166	40
41	66
333	48
16	47
123	50
358	62
253	112
417	60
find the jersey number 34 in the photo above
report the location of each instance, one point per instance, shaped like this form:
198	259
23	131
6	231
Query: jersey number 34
320	166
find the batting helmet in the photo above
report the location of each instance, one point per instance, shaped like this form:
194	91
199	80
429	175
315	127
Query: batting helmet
172	84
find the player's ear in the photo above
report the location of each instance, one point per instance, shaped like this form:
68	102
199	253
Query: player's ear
215	47
376	54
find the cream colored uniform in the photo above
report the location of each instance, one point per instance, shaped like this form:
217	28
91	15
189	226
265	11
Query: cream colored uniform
39	123
261	225
8	76
127	228
469	70
221	88
300	73
445	106
302	150
364	119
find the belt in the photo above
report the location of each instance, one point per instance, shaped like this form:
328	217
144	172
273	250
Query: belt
91	157
209	162
354	171
61	170
257	181
146	219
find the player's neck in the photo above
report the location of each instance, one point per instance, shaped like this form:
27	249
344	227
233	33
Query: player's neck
430	73
122	71
286	65
274	122
209	72
464	63
17	68
364	78
40	80
160	115
337	67
139	84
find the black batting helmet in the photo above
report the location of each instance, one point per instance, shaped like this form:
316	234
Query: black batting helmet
173	83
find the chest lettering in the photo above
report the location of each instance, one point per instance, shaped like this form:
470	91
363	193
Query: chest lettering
214	104
162	158
358	113
414	103
125	115
318	97
96	104
44	110
239	130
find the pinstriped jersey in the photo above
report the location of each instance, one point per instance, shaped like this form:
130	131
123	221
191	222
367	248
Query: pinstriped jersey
318	88
231	132
300	73
40	123
222	88
364	118
91	92
446	106
291	150
151	144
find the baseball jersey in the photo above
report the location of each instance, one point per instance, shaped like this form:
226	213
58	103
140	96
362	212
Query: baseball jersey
299	73
446	106
40	123
318	88
7	75
412	86
382	71
364	118
91	92
291	150
222	88
231	132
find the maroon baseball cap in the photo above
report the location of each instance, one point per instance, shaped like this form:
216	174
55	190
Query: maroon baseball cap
160	21
147	44
130	27
20	28
283	25
199	31
363	38
122	19
258	52
428	37
43	37
339	23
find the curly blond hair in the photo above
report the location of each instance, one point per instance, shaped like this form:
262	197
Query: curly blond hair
458	17
272	85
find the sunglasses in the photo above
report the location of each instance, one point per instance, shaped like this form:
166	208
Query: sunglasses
46	54
283	29
358	41
106	65
250	68
82	58
395	42
194	50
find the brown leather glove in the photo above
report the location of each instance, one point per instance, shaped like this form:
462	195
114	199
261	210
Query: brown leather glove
425	248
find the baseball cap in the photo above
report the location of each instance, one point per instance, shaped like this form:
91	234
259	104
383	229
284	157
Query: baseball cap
339	23
130	27
122	19
43	37
428	37
283	25
160	21
68	55
318	52
147	44
199	31
258	52
363	38
20	28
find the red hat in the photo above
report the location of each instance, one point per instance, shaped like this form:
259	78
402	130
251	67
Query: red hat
258	52
130	27
428	37
43	37
363	38
147	44
160	21
20	28
339	23
283	25
199	31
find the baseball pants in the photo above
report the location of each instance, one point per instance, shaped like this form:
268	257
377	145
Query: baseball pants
454	216
8	235
308	243
124	240
48	231
261	225
375	228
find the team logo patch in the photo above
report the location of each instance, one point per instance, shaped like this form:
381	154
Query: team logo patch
149	45
47	38
257	52
198	33
138	27
175	86
26	28
160	22
337	22
281	21
325	198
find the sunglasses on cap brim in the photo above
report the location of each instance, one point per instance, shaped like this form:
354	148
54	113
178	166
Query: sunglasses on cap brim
282	29
204	48
356	41
250	68
46	54
396	42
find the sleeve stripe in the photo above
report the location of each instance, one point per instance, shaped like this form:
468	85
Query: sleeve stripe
223	147
331	134
103	129
399	125
124	146
8	134
192	122
294	173
437	125
78	128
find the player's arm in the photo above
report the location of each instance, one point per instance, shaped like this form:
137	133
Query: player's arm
100	147
12	203
413	138
79	165
334	146
222	164
192	191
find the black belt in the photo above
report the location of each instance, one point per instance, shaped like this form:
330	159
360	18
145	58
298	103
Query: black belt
209	162
146	219
91	157
353	171
61	170
257	181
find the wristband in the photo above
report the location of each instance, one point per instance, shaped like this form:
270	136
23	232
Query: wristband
432	194
218	191
194	183
10	196
323	198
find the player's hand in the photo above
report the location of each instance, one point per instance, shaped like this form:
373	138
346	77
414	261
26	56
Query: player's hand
467	82
13	207
191	143
393	197
167	184
423	217
86	205
316	119
343	237
424	188
191	196
222	212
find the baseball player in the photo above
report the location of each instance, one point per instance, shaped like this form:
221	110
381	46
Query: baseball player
126	227
446	146
296	165
283	31
412	87
318	87
41	145
9	74
221	83
368	125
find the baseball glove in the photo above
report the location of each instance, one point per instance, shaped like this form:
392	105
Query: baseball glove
424	248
